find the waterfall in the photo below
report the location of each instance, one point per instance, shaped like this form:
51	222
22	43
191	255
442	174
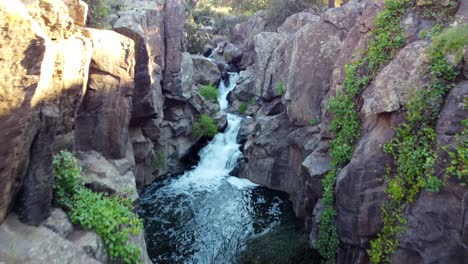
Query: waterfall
206	215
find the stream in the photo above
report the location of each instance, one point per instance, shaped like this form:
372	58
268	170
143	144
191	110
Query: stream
206	215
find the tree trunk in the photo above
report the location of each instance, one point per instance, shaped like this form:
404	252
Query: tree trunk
331	3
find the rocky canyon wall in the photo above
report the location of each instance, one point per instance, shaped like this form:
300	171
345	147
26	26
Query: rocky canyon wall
292	73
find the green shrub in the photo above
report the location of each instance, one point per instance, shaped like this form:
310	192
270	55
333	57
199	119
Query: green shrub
110	217
98	11
159	161
205	127
451	41
195	38
280	88
209	92
243	107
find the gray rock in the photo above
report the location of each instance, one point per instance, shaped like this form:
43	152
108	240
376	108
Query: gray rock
397	82
101	175
205	71
91	243
58	222
20	243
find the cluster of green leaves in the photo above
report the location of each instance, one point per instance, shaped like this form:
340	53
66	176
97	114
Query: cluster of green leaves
195	37
459	157
441	11
209	92
205	126
346	125
280	88
245	105
98	11
414	147
159	160
110	217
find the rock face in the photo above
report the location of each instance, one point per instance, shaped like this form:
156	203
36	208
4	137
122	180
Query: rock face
286	141
21	243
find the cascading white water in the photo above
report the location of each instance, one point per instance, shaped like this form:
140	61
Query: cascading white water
205	215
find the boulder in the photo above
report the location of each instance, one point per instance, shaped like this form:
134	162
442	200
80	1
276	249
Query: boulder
206	72
104	116
52	16
90	243
295	22
20	243
315	49
100	175
58	222
398	81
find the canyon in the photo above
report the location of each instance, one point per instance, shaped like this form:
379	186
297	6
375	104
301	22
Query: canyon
126	100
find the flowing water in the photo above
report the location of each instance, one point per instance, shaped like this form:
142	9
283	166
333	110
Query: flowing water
206	215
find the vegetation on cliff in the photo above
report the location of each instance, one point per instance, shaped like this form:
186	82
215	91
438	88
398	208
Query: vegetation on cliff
205	126
346	125
415	148
111	217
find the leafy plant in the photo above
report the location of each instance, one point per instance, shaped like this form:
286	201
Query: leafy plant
110	217
242	108
314	121
98	11
414	149
159	160
280	88
209	92
205	127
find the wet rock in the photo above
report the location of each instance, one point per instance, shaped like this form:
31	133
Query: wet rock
58	222
36	245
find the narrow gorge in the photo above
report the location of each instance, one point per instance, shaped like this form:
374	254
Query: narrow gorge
234	131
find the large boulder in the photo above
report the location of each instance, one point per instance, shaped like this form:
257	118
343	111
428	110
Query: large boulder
206	72
104	116
315	49
20	243
397	82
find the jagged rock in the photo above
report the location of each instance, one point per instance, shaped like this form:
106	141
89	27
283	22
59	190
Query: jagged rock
100	175
317	216
205	71
104	116
143	153
78	10
20	243
397	82
315	49
461	17
58	222
139	241
245	86
90	243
